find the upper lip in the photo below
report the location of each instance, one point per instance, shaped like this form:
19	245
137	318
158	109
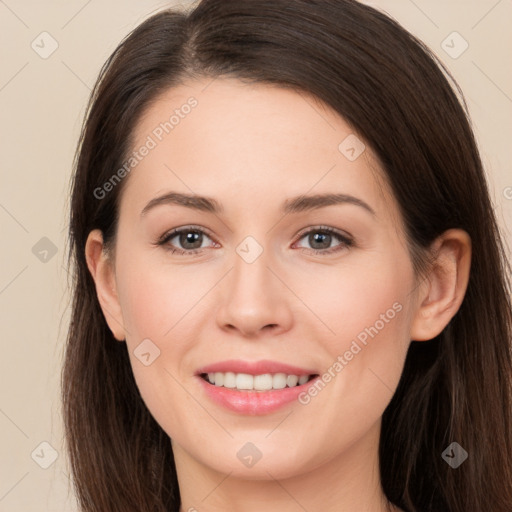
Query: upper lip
254	368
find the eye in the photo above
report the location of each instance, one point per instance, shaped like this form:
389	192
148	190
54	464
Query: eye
190	239
320	239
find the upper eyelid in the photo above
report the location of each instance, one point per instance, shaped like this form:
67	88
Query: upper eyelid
330	230
171	233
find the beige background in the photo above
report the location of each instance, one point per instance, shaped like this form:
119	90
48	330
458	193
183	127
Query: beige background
42	103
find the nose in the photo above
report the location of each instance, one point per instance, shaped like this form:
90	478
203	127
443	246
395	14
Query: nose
253	300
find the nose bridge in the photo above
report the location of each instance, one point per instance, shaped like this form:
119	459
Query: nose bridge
253	297
250	276
250	261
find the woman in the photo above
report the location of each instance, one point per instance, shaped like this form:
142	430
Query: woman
337	334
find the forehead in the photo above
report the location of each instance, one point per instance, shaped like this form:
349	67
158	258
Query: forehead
219	136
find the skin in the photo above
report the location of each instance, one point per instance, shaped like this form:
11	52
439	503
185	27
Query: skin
250	147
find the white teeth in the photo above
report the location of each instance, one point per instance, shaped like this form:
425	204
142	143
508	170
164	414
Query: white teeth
264	382
303	379
244	381
279	381
292	380
229	380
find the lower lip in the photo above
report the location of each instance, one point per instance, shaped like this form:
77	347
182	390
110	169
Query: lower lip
254	402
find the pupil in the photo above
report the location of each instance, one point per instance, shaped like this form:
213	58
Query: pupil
323	239
190	237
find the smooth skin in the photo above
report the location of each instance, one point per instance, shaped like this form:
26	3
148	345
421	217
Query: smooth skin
251	147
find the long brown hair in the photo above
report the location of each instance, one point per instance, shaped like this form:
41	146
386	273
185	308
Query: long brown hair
393	92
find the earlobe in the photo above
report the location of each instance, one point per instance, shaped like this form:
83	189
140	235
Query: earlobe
443	290
102	272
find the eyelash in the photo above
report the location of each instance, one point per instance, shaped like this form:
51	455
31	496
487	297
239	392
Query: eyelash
346	241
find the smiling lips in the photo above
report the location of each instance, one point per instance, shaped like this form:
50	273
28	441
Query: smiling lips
254	388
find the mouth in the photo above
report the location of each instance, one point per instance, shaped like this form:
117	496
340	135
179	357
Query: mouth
256	383
254	388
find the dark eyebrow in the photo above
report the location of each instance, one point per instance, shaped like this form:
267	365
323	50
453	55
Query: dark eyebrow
293	205
302	203
205	204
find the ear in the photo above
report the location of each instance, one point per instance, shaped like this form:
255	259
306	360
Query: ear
442	292
102	271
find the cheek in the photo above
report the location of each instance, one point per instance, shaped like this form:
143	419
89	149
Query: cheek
156	300
366	308
363	300
159	303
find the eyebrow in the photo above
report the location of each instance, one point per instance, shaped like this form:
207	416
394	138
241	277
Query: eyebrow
293	205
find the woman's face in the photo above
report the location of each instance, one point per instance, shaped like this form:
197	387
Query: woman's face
258	292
